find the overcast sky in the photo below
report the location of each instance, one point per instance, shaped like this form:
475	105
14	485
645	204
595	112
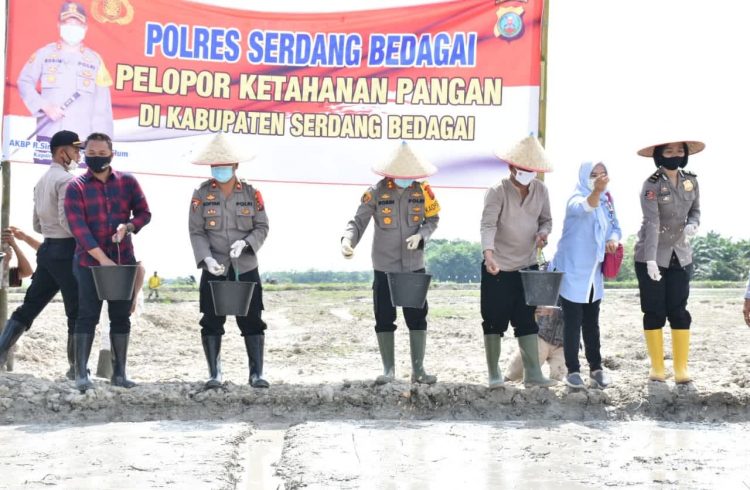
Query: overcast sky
622	75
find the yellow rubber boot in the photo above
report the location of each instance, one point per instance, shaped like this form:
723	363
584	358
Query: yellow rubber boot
655	346
680	348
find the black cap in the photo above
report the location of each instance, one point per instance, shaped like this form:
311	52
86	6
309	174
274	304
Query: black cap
74	10
63	138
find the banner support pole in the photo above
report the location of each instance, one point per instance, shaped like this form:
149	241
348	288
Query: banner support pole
542	125
4	224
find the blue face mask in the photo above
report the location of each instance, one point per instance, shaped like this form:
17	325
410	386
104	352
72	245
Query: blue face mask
403	183
222	174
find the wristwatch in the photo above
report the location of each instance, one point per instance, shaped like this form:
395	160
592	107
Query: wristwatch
130	227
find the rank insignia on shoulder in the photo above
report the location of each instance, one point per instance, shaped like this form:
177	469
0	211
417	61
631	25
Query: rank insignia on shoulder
366	197
654	177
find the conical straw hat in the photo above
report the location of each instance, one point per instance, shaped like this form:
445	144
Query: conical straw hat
693	147
404	164
528	154
220	151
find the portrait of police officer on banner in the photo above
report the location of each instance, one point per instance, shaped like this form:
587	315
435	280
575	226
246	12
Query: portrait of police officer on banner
74	83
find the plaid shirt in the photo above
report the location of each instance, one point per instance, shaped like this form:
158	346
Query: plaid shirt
94	210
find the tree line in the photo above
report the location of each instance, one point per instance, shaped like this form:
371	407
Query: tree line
715	258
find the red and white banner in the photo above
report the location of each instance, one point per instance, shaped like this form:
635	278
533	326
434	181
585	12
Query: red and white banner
317	97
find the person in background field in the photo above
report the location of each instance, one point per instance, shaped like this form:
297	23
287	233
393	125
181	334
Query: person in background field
406	216
550	321
54	258
103	207
75	84
670	201
516	221
590	229
154	283
228	225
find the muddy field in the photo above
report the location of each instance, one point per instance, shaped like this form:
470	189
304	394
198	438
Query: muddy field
322	356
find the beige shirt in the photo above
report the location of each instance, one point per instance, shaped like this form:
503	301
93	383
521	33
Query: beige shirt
49	203
509	227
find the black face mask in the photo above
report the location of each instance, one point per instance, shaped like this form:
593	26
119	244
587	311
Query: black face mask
97	164
671	163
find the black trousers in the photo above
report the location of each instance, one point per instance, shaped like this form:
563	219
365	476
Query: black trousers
213	324
667	298
54	272
385	312
580	317
90	306
502	301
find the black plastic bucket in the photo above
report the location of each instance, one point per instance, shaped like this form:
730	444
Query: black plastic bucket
541	288
114	282
231	298
408	289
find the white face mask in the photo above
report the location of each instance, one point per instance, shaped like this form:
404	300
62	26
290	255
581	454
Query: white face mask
523	177
592	181
72	34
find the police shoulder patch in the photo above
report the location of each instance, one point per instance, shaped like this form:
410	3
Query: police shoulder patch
259	201
650	195
195	203
366	197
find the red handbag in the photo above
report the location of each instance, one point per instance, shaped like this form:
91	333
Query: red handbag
612	261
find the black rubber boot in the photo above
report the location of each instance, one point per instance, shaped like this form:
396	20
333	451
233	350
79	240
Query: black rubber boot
254	345
212	350
11	333
82	342
71	374
119	359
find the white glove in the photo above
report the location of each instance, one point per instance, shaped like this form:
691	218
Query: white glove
690	230
213	267
653	270
237	248
413	241
346	248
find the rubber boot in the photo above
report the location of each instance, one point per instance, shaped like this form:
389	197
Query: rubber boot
71	374
254	345
119	348
104	364
212	350
418	342
386	347
680	349
492	352
532	371
82	342
8	338
655	347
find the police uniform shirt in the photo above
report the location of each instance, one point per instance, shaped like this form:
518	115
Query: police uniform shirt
65	74
216	222
49	203
666	211
398	214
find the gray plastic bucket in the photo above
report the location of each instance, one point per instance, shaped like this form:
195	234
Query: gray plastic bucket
114	282
408	289
541	288
231	298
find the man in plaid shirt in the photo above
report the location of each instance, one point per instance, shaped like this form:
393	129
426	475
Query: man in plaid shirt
103	208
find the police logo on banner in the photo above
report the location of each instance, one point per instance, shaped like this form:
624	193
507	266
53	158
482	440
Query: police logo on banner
509	23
